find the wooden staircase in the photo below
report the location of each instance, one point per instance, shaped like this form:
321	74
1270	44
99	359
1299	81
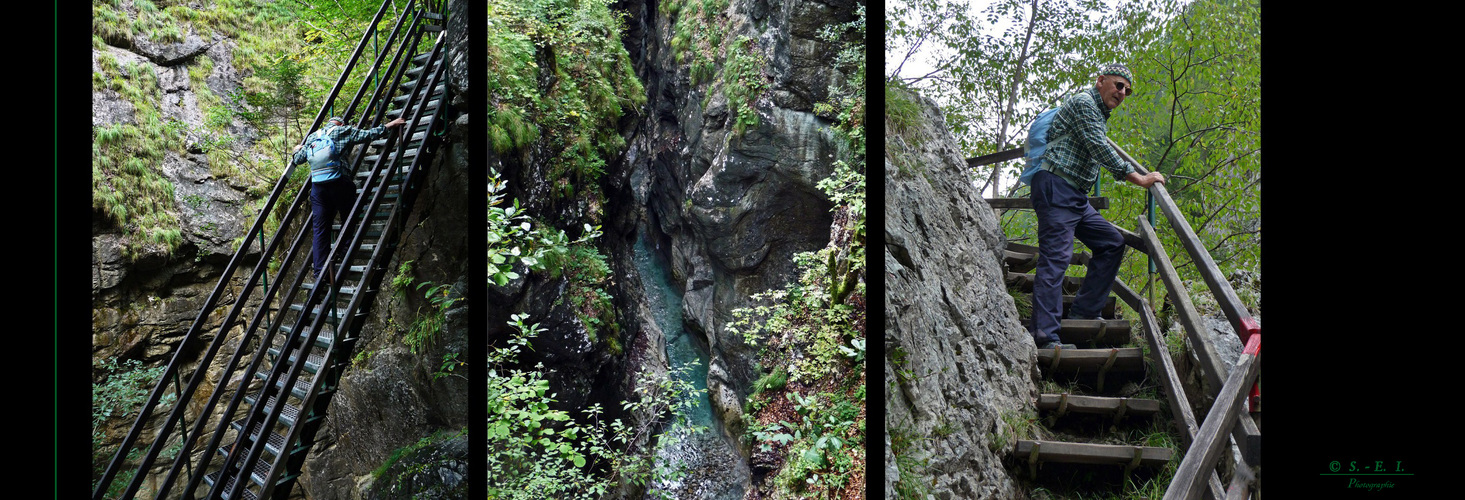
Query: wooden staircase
1096	372
1103	356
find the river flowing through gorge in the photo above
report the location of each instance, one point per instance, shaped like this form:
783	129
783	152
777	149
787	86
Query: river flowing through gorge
713	467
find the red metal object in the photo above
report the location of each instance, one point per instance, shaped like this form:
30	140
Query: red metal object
1254	348
1250	327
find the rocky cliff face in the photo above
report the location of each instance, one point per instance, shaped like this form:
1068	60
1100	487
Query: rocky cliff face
731	206
145	295
728	202
957	359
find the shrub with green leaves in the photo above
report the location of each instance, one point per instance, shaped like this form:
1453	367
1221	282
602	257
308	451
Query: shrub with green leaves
539	452
123	389
560	77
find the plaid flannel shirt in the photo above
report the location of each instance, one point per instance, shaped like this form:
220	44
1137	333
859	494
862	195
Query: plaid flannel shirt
344	136
1079	157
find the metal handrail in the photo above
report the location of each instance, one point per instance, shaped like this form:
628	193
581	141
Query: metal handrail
231	319
291	372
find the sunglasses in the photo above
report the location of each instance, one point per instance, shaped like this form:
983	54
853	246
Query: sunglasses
1125	88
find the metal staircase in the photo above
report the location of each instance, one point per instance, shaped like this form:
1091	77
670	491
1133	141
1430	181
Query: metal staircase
292	337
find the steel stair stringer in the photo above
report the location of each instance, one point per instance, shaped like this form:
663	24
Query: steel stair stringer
296	336
358	251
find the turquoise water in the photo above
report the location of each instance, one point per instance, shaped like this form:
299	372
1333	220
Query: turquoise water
714	470
665	301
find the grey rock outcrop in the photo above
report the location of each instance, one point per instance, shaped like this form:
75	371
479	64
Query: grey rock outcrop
957	359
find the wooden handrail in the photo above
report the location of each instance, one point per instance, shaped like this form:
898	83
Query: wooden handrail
1248	436
1235	311
1206	450
1011	154
1170	377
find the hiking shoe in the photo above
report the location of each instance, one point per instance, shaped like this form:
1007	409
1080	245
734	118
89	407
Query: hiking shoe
1058	345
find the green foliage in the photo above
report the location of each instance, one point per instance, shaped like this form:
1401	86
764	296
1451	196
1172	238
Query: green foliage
819	443
123	389
906	446
280	97
743	82
558	73
537	451
427	325
128	188
812	342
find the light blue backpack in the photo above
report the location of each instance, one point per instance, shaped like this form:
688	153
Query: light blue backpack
1036	143
320	153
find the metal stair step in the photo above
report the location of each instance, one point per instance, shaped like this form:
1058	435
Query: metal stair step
436	93
431	105
288	415
323	339
274	444
213	477
373	231
313	361
300	390
416	139
410	153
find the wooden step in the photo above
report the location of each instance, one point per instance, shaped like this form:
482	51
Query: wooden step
1023	258
1064	404
1130	457
1128	359
1111	332
1093	367
1023	282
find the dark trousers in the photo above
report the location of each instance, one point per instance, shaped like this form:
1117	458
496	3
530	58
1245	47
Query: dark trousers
1063	214
329	201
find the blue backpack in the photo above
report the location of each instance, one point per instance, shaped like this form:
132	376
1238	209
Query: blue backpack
1037	142
320	152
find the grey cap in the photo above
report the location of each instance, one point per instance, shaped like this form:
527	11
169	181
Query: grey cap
1117	70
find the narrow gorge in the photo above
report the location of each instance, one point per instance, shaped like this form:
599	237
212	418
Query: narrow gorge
684	177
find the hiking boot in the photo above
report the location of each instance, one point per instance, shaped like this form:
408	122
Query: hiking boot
1057	345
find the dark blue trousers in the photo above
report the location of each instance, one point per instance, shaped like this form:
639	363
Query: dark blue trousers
329	201
1063	214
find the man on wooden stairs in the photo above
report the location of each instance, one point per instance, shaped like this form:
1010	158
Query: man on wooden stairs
1070	166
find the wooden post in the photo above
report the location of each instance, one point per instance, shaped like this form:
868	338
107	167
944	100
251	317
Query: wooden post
1183	417
1207	448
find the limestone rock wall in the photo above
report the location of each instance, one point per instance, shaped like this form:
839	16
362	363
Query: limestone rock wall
956	357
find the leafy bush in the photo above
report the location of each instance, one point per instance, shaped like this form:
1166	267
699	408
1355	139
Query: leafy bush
123	390
539	452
